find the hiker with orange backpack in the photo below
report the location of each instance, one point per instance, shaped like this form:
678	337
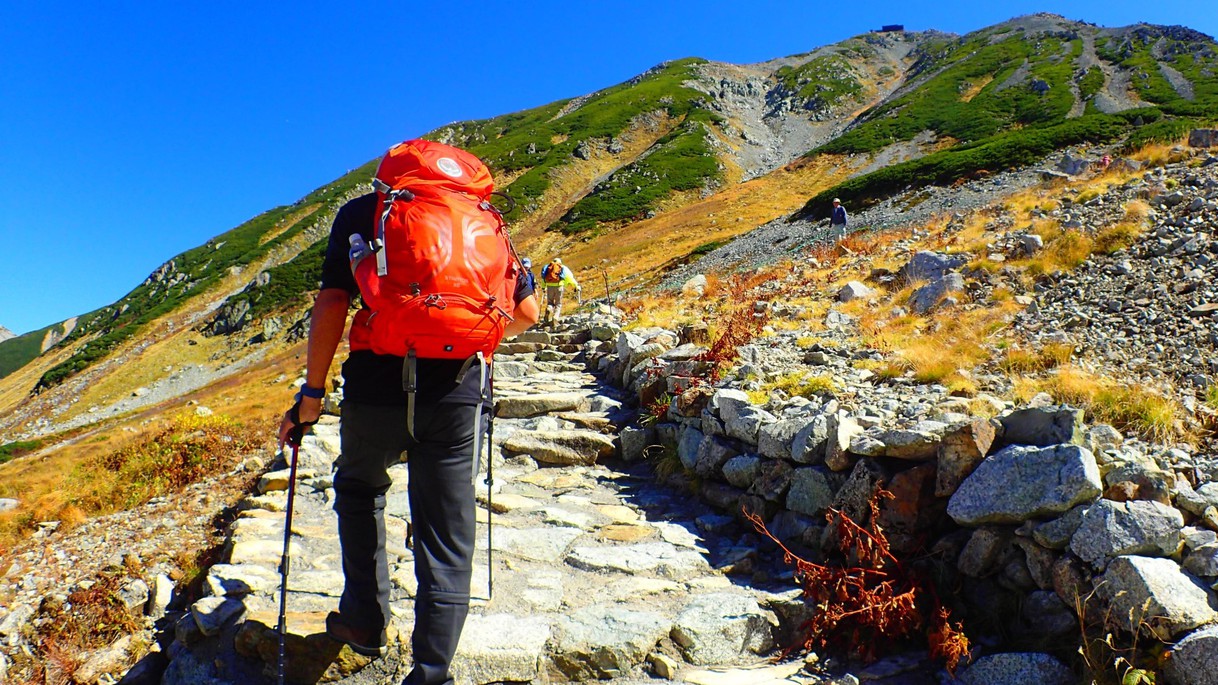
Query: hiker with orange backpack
441	286
554	276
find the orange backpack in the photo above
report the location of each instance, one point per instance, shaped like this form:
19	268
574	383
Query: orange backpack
442	283
552	273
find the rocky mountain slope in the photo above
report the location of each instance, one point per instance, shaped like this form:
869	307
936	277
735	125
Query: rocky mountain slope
1039	276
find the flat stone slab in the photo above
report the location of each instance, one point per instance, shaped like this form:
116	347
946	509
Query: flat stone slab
501	648
546	545
524	406
722	627
661	558
562	447
601	642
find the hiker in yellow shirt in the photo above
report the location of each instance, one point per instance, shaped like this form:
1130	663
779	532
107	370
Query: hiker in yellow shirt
554	276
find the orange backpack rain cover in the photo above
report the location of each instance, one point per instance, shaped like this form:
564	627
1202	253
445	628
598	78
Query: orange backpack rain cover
445	272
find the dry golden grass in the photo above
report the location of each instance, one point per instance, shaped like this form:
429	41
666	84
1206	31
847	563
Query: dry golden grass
287	223
1124	405
636	252
974	87
1025	360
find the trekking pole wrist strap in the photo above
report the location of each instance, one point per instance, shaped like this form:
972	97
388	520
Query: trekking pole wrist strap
307	390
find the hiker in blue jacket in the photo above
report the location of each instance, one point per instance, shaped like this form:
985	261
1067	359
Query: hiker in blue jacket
837	222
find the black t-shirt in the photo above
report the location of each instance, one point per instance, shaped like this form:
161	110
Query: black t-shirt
377	378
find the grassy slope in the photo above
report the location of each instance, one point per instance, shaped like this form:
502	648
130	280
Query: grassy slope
1000	128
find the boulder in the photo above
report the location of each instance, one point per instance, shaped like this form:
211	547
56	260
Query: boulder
1020	483
694	287
1027	668
929	266
1194	659
1111	529
1155	596
1203	137
564	447
932	294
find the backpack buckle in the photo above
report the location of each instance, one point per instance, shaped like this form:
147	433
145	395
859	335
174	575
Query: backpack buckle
434	300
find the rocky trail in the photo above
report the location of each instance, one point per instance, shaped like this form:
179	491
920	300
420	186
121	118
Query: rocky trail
599	571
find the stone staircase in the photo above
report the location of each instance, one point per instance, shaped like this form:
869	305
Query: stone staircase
599	572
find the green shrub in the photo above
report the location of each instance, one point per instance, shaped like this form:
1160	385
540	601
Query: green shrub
1003	151
20	448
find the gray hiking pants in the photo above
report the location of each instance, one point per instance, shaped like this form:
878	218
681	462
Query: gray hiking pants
441	494
553	304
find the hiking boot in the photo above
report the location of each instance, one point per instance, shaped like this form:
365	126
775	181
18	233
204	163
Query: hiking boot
360	641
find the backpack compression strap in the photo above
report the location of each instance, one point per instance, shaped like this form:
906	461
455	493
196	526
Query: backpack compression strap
410	370
378	242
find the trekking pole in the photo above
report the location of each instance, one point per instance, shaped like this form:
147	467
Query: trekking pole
490	480
285	564
605	274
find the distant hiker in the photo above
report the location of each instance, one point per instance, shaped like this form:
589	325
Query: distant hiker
1105	161
416	381
555	276
528	270
837	222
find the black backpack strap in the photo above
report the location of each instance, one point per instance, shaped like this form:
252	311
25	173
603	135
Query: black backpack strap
410	383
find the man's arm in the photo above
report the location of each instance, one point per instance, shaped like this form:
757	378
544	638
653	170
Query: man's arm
325	333
568	277
526	314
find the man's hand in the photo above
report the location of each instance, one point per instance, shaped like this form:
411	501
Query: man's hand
297	420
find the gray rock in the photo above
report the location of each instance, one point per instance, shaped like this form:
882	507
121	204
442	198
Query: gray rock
1056	534
1156	596
929	266
601	642
741	471
913	444
933	294
1045	614
525	406
661	558
134	595
688	446
1203	561
238	580
808	446
635	442
713	453
211	614
720	628
565	447
744	423
8	504
1111	529
775	439
1025	668
842	429
1043	426
501	648
853	291
811	492
537	544
984	552
1019	483
960	451
1102	437
1194	659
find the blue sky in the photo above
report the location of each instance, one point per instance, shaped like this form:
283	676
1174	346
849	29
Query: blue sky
131	131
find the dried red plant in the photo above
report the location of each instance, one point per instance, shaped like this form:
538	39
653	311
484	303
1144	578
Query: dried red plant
868	600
